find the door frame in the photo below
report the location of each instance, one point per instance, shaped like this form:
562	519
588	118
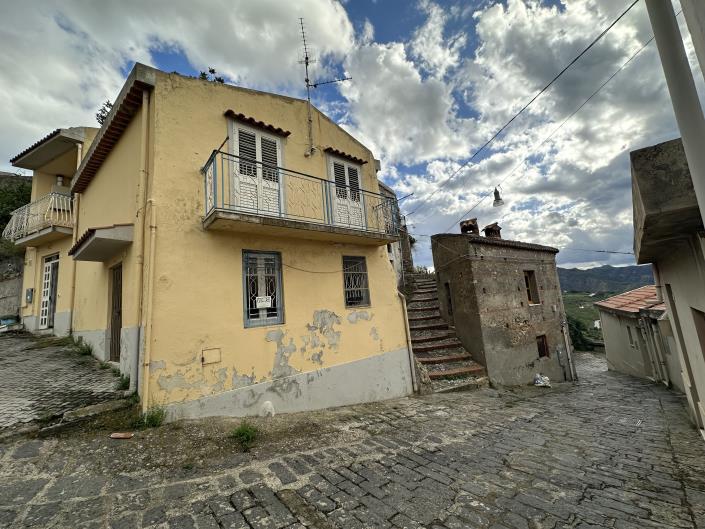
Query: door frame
234	182
50	276
114	333
333	195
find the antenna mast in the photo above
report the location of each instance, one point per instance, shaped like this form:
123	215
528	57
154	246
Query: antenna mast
306	60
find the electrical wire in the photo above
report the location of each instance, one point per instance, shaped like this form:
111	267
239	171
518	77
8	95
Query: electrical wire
578	109
521	111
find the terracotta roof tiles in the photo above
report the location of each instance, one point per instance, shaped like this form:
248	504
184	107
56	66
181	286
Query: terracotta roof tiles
633	301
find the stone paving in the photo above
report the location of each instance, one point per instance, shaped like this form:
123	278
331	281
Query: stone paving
611	451
40	383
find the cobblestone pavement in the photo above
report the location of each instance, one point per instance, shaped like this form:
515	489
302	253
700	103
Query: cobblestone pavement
39	383
611	451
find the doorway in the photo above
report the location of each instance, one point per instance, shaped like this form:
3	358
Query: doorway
50	281
115	312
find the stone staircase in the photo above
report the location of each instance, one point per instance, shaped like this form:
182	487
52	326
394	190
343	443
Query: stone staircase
436	347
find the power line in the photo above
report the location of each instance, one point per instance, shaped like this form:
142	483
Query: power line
486	144
578	109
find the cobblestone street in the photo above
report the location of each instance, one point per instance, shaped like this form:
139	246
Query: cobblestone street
611	451
43	382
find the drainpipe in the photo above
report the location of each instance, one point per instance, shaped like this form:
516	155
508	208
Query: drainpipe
409	349
75	207
569	355
147	320
139	238
657	281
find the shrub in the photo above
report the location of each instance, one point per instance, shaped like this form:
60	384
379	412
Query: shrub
83	348
245	435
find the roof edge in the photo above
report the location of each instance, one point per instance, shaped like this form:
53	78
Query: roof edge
125	106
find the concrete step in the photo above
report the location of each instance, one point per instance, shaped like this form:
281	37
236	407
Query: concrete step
456	369
428	326
422	291
449	344
425	316
422	309
447	385
424	299
441	359
431	336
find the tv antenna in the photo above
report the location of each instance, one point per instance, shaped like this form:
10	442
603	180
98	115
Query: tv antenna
306	60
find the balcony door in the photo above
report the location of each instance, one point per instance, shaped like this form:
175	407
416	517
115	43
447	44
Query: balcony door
50	281
255	185
348	202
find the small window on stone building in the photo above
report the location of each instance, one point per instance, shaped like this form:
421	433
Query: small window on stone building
356	288
631	337
532	289
449	300
542	345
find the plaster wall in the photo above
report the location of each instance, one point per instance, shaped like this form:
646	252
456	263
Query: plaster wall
10	292
491	312
681	270
197	300
631	359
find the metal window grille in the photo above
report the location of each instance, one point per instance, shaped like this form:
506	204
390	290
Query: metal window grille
262	289
355	285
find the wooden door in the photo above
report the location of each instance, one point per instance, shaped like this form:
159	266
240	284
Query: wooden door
115	312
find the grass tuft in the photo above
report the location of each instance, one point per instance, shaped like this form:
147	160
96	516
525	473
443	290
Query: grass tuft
124	382
245	435
153	417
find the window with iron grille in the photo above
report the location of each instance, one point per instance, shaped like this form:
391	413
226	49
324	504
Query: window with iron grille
356	288
263	301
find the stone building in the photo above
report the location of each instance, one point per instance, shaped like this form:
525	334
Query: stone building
504	300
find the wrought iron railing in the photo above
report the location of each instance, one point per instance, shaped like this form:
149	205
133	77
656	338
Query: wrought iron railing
242	185
54	209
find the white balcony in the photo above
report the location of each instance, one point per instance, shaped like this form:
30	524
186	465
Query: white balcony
46	219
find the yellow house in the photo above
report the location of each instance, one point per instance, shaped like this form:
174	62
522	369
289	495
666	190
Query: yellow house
227	247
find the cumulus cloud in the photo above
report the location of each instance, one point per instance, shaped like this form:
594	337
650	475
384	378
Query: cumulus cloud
61	60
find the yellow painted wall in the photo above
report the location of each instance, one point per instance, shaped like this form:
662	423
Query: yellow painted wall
198	300
109	199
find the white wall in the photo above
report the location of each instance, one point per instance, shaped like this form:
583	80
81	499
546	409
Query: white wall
623	356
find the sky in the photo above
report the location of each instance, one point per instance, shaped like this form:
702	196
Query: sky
432	81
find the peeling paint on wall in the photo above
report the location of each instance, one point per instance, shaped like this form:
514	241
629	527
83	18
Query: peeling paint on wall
374	334
281	367
178	381
240	381
323	322
156	365
357	315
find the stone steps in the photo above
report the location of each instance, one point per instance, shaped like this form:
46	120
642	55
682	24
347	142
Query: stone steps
450	367
455	369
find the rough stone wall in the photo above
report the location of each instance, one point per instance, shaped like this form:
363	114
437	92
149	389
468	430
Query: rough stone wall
491	312
10	285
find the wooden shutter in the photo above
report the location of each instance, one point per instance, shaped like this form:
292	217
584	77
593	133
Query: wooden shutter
341	189
270	160
247	150
354	181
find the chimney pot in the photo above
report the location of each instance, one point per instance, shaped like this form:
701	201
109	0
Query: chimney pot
470	226
492	231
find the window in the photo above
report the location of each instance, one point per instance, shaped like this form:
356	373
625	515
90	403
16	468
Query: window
632	340
542	345
262	289
347	180
252	145
532	289
355	286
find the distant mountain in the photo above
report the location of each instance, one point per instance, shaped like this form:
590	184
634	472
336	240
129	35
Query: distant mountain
605	278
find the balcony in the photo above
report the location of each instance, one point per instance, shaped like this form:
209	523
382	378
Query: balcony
243	195
44	220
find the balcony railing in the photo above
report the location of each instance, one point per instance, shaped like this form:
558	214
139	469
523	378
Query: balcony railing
52	210
242	185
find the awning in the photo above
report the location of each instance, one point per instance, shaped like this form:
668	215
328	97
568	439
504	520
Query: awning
102	244
49	147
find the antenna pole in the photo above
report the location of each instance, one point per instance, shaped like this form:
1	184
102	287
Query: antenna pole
306	61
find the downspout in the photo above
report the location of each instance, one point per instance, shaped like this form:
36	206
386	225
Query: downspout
409	349
139	239
148	312
74	237
76	208
657	282
566	341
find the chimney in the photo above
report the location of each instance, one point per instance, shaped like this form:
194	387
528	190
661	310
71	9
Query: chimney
492	231
469	226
